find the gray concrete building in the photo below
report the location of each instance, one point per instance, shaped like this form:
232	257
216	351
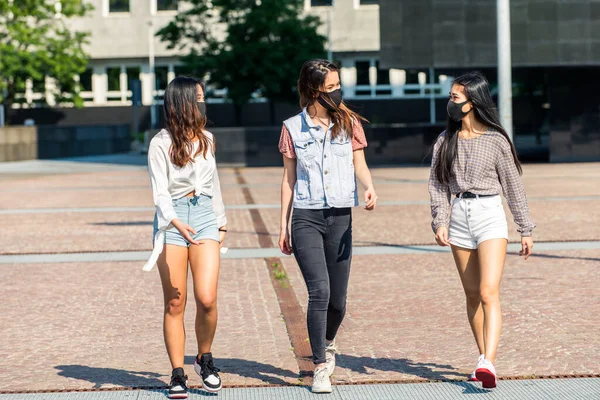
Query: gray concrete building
122	41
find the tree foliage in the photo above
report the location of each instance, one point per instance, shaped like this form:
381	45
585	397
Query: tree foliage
246	45
35	42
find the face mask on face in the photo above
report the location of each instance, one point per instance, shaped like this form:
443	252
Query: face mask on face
455	110
201	108
335	96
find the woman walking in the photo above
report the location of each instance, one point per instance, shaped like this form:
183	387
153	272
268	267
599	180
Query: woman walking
189	226
474	160
323	155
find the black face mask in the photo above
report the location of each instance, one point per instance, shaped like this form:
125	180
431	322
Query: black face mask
455	110
201	108
335	97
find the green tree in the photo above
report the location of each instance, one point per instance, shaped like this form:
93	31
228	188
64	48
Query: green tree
246	45
35	42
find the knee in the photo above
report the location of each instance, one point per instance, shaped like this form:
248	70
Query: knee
489	294
175	307
473	296
319	292
337	304
206	302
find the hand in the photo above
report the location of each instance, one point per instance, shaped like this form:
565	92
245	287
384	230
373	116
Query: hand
370	199
441	236
526	246
284	242
185	230
222	235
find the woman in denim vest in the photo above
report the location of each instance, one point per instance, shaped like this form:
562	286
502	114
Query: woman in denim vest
323	154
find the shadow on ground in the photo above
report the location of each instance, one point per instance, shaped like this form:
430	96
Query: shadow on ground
429	371
426	371
142	379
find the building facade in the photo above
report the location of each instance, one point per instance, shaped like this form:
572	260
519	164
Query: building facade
122	42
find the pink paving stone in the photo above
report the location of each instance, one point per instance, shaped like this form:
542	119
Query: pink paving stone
134	196
89	232
406	317
80	326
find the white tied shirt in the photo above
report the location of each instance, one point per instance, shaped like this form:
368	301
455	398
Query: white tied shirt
172	182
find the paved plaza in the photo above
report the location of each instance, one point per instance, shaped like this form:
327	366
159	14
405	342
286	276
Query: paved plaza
79	315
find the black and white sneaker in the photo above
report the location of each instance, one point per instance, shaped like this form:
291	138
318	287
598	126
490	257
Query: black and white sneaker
178	389
205	367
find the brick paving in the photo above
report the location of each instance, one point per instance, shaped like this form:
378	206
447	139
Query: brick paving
98	325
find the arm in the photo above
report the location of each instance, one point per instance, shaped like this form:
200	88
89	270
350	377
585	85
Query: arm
157	166
514	192
439	195
364	177
359	142
219	206
287	192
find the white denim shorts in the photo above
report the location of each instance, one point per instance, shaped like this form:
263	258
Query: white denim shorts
473	221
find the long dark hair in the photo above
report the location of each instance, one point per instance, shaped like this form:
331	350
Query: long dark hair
183	120
311	81
477	91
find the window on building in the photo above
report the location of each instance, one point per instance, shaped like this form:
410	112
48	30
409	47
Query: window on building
132	73
118	6
166	5
362	72
113	76
39	85
162	77
383	78
368	2
383	75
321	3
85	80
362	76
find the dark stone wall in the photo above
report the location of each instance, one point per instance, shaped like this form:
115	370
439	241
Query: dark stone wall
77	141
258	146
222	115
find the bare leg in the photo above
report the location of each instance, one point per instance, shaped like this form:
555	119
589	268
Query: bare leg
205	263
172	267
467	264
492	254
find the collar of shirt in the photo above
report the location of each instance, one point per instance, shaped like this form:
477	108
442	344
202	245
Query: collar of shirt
309	121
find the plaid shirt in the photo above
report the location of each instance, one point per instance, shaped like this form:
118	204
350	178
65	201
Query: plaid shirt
483	165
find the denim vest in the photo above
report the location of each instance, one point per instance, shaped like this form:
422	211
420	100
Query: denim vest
324	167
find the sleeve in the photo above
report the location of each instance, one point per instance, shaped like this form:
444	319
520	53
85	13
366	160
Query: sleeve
217	200
157	165
359	140
513	190
439	193
286	145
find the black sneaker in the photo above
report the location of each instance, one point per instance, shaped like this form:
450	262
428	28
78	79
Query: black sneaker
205	367
178	389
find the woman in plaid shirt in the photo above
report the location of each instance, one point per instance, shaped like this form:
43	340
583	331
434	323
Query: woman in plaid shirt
474	160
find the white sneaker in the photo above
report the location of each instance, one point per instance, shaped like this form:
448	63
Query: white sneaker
321	382
330	352
486	373
473	376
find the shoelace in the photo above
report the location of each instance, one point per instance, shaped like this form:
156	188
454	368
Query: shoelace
210	366
320	375
179	380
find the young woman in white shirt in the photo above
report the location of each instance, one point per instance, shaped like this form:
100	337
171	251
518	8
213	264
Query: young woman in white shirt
189	227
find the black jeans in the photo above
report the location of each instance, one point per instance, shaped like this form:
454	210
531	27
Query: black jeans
322	244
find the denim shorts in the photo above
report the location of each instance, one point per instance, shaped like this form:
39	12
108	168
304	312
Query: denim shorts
473	221
198	213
